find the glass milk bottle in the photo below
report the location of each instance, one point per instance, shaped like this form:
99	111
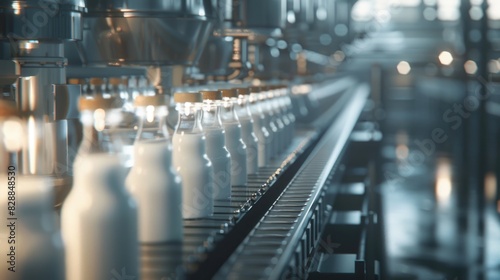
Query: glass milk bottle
249	137
99	217
216	144
31	246
286	104
281	120
265	97
234	143
190	159
152	181
127	129
261	127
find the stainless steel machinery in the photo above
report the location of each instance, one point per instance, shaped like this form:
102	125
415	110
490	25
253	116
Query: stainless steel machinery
33	61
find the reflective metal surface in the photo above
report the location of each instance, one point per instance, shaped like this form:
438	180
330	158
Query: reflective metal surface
146	32
216	56
144	40
255	14
41	20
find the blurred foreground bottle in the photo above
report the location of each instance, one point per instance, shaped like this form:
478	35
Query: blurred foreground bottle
99	217
31	245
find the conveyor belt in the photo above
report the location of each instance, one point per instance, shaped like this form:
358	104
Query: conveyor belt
208	243
283	239
172	261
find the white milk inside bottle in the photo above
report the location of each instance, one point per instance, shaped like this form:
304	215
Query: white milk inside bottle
152	181
190	159
248	136
271	120
99	217
281	123
234	143
281	108
216	144
260	127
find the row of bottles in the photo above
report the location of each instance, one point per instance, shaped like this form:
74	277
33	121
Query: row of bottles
221	137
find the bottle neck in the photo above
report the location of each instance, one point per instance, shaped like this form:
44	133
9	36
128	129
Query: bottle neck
255	104
152	123
228	112
211	118
96	131
243	107
189	118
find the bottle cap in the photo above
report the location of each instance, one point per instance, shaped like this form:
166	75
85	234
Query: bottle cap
151	100
229	92
76	81
8	108
115	81
211	94
242	91
96	81
98	102
181	97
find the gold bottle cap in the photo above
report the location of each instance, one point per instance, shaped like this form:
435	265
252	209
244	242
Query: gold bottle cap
242	91
181	97
151	100
230	93
115	81
96	81
76	81
8	108
211	94
98	102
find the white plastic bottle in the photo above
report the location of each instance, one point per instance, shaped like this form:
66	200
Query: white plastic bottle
234	143
261	127
190	159
216	144
152	181
99	217
247	133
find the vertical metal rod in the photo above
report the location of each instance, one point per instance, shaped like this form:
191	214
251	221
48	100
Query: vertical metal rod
482	141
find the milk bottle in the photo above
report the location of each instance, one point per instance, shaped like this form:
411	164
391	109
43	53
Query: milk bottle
152	181
99	217
247	133
261	127
31	246
216	144
190	159
234	143
274	122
